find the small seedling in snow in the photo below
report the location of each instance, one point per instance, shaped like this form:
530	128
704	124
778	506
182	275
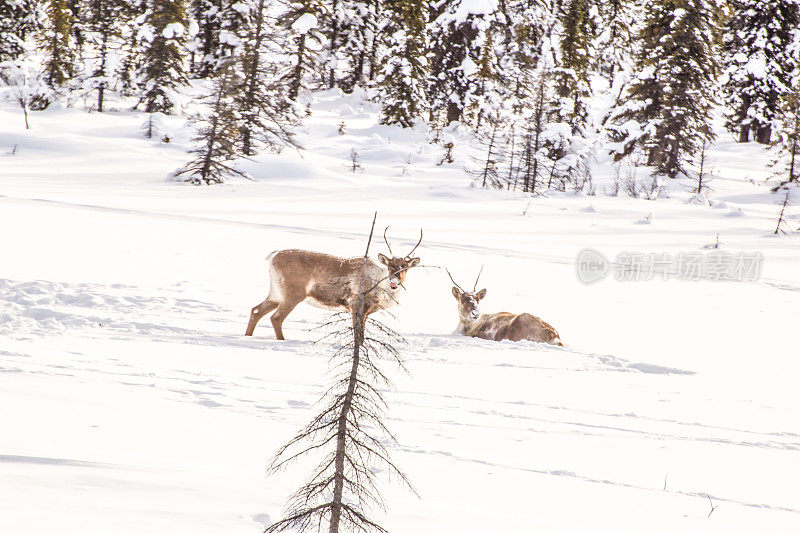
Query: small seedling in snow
527	206
714	245
448	153
355	162
616	183
781	227
713	507
653	189
629	182
703	177
153	127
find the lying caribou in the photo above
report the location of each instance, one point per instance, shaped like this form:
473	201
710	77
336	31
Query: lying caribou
498	326
330	282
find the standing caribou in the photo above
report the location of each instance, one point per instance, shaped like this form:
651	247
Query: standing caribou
498	326
330	282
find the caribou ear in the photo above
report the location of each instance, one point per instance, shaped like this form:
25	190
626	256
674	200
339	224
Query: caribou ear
383	259
481	294
414	262
457	292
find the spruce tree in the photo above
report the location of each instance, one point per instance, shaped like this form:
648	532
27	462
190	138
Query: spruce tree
667	110
219	24
130	53
59	45
528	23
269	117
759	61
78	9
217	134
104	30
457	36
17	20
573	68
403	77
303	43
357	26
163	72
787	144
615	37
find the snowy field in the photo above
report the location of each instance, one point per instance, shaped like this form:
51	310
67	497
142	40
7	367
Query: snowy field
132	401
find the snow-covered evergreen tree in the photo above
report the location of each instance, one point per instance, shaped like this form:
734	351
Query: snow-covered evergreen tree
303	43
104	30
130	52
787	144
666	111
529	24
269	117
403	77
217	134
163	35
614	42
17	20
79	9
573	70
26	84
354	50
59	44
759	62
219	23
457	35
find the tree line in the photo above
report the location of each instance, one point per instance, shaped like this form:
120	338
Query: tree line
521	74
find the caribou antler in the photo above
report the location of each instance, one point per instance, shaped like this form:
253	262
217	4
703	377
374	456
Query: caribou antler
408	255
454	281
476	279
387	241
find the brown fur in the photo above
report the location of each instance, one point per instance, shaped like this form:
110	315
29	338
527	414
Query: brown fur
329	281
500	326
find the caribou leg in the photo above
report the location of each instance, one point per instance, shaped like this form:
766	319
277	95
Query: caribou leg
259	312
277	318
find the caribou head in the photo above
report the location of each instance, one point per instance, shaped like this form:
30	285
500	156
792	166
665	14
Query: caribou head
398	266
468	310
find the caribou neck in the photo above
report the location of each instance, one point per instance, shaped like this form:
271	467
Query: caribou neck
465	326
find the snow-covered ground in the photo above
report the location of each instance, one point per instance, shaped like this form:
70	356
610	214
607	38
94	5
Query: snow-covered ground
133	402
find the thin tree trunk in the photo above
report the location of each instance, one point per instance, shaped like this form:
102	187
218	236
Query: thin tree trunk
780	217
764	133
744	134
102	87
702	166
489	155
297	76
359	322
341	432
25	113
334	38
252	74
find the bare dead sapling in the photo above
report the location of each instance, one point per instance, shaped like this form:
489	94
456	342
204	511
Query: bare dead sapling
355	162
486	171
616	181
349	434
781	227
